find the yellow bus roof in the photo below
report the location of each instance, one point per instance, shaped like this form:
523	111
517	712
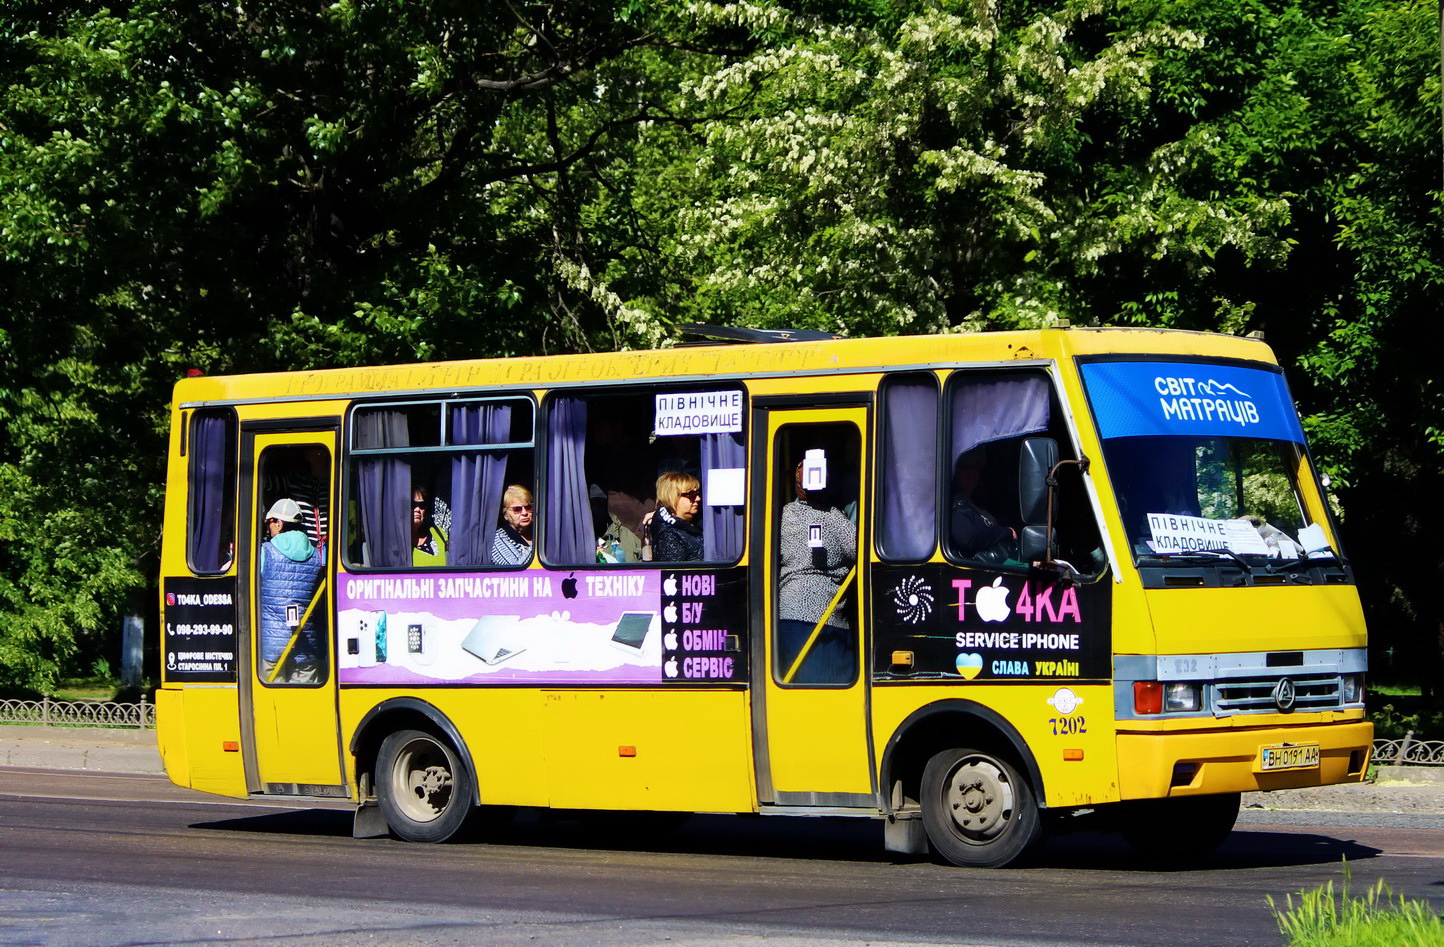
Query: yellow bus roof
722	359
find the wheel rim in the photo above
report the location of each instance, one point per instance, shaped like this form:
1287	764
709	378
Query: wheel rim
979	799
421	780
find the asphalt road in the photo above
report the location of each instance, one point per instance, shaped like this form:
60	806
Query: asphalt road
98	859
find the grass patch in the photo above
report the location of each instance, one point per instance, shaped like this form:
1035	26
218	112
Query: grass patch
1391	723
1395	690
1328	918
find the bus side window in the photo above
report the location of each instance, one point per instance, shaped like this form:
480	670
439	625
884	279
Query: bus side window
428	482
211	519
908	467
611	456
989	413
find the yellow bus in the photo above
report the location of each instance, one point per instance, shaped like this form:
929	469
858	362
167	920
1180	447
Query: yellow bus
967	585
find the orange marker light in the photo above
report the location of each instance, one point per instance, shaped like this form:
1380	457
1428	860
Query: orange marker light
626	751
230	746
1072	755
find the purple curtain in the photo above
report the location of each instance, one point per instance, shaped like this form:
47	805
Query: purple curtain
907	527
722	527
568	519
213	486
384	488
478	480
993	408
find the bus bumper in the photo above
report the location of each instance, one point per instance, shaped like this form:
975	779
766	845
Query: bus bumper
1156	765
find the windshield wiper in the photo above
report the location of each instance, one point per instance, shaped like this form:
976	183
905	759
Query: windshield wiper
1307	562
1208	554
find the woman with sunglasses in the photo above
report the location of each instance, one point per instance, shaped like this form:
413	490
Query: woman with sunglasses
428	542
677	525
512	544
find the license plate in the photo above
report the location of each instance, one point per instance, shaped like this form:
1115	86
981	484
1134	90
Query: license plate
1290	756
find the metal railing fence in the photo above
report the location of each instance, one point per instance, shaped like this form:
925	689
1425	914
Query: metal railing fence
79	713
1409	752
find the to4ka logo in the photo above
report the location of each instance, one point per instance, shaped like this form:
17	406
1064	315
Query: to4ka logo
1035	602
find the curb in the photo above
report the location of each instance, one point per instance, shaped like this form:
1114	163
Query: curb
92	749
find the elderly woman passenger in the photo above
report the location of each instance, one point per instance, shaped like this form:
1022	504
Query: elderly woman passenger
512	544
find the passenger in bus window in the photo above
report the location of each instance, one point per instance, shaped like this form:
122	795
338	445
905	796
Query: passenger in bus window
818	551
615	543
290	570
512	543
677	524
428	542
976	533
304	479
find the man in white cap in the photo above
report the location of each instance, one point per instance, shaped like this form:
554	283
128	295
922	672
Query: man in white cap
290	571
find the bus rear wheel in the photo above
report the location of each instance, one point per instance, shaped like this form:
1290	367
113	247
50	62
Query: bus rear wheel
978	809
424	790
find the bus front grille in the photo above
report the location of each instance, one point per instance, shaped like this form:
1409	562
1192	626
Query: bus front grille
1256	695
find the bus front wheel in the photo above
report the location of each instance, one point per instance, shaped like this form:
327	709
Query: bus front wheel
978	809
424	790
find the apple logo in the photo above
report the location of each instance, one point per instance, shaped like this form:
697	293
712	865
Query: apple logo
992	601
670	641
569	586
669	585
970	665
669	614
671	668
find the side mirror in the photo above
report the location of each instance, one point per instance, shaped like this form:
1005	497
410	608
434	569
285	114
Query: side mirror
1036	460
1033	543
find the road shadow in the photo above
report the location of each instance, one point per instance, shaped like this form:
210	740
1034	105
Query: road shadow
317	822
828	839
1243	849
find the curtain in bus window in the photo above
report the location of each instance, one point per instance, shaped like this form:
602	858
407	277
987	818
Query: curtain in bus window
477	481
568	511
721	525
993	408
907	529
384	488
212	482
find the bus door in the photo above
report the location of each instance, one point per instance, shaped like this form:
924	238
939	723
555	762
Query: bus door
810	714
289	720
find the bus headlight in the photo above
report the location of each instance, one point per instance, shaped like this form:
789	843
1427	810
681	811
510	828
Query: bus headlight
1353	688
1180	697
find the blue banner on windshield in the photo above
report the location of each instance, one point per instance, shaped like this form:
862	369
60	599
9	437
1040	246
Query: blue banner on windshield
1138	399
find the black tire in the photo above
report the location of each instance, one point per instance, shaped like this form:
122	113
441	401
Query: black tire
1182	829
979	811
425	791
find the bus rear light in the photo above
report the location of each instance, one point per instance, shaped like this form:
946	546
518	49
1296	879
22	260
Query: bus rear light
1147	697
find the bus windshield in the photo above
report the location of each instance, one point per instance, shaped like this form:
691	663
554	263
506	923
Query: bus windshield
1191	494
1204	460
